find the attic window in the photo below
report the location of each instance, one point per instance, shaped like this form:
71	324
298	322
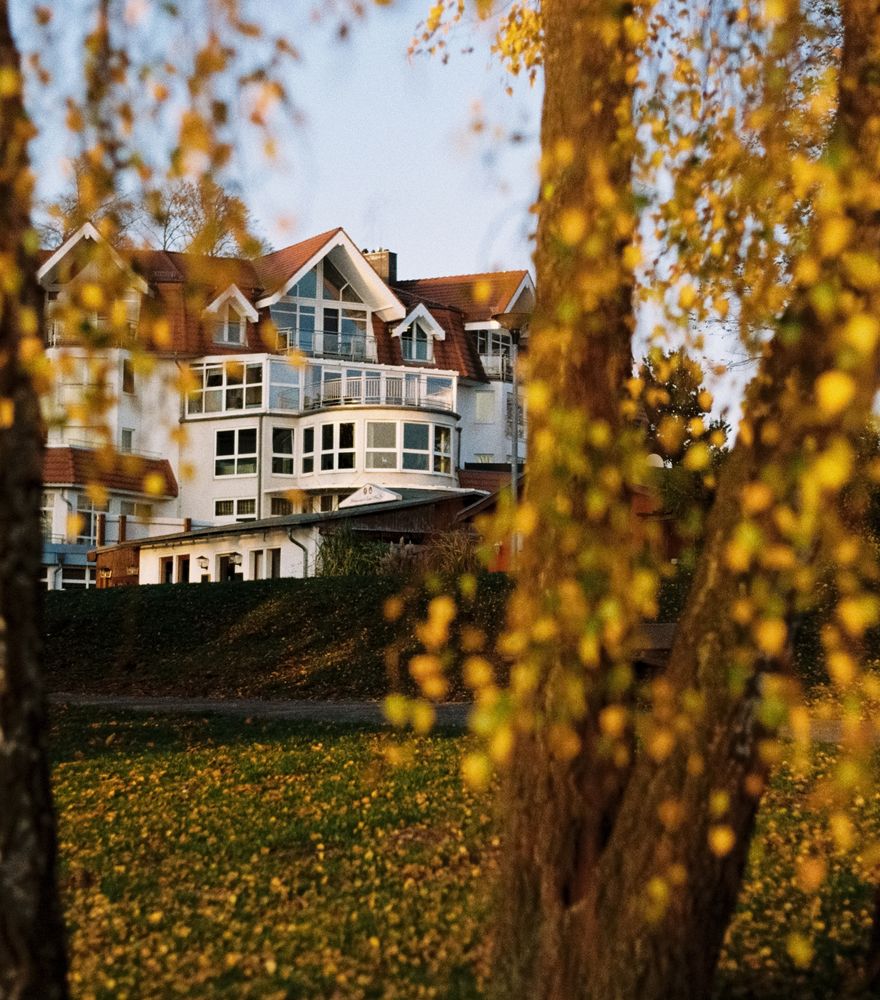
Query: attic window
229	327
416	343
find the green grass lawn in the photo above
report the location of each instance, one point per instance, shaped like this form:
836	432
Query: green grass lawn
217	858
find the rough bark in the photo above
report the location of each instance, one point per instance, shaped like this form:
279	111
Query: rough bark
558	813
32	958
583	841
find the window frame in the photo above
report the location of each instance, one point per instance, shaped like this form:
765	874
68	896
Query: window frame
331	457
284	458
236	514
237	455
220	327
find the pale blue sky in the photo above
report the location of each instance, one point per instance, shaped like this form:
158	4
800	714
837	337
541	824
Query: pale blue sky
387	151
385	146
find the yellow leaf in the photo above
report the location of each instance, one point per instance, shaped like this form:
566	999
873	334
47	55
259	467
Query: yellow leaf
770	635
721	840
800	950
835	390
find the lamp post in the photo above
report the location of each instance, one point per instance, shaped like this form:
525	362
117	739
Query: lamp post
516	324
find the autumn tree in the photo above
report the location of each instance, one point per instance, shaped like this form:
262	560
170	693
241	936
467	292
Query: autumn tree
201	217
121	77
627	827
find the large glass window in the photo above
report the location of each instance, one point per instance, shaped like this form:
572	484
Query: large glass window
86	519
381	445
416	447
337	447
284	386
224	387
282	451
236	452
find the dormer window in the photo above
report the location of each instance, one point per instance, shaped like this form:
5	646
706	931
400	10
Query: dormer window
417	334
416	343
228	315
229	327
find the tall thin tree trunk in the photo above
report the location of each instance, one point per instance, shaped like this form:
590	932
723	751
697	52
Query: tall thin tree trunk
32	956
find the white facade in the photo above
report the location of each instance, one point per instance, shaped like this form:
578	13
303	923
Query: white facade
290	427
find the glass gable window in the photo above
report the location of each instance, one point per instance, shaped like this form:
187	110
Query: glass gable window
220	388
236	452
323	316
416	344
282	451
381	445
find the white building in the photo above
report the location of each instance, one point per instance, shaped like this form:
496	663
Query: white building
225	391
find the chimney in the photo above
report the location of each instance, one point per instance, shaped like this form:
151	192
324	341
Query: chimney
384	263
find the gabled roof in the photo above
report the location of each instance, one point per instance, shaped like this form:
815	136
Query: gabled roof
478	296
385	303
274	269
69	466
421	312
88	233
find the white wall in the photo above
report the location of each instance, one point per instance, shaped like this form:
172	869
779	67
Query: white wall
244	543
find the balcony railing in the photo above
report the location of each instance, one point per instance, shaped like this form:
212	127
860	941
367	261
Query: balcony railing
381	389
497	367
100	332
344	345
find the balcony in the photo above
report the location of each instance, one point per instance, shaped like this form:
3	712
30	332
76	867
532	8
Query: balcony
497	367
380	389
96	333
345	345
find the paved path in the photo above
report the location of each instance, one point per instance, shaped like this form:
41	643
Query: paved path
342	712
452	714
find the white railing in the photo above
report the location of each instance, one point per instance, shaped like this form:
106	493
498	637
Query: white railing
381	389
497	367
328	344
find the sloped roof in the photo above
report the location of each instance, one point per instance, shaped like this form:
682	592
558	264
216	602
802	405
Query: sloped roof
275	268
478	296
69	466
409	498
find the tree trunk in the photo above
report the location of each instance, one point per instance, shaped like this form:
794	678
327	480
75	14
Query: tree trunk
619	882
32	957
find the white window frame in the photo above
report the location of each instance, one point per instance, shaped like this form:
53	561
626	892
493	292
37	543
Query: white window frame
284	456
237	514
226	386
308	450
335	451
410	339
237	456
371	451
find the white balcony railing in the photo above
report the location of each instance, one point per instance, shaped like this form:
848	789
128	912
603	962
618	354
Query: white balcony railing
343	345
381	389
498	367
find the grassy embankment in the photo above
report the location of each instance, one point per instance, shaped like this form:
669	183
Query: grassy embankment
317	638
216	858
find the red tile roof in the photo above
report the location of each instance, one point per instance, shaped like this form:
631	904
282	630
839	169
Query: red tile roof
275	268
478	296
68	466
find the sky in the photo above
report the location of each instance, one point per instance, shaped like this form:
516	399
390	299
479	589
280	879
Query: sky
387	148
383	144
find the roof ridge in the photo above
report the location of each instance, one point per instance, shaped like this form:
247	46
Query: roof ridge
464	277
